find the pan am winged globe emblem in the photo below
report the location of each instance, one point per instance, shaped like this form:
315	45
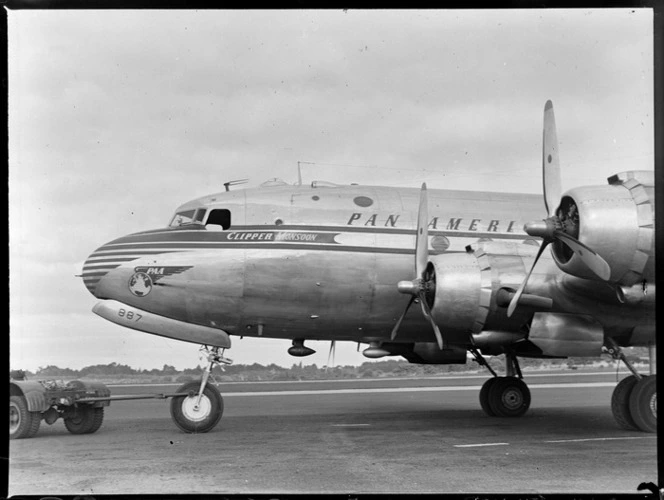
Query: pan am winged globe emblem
145	277
140	284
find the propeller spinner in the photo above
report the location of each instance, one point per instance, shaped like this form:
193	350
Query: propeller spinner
420	286
562	224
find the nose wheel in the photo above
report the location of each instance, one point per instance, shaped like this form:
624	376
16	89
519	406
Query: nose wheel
197	413
201	408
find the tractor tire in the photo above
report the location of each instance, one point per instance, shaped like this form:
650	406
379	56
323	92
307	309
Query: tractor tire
197	419
22	422
97	420
83	419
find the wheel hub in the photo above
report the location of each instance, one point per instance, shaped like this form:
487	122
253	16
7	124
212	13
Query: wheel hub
14	418
512	399
195	411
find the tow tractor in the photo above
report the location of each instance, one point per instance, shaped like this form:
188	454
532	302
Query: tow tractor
30	402
196	406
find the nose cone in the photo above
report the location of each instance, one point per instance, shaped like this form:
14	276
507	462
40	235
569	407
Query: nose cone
95	267
98	276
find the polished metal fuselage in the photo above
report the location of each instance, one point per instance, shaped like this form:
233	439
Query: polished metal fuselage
324	262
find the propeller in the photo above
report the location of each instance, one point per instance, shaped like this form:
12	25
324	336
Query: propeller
331	354
562	223
419	287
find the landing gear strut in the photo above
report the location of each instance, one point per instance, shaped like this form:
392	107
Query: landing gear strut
504	396
201	409
634	400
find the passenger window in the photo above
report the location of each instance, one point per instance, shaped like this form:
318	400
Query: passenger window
220	217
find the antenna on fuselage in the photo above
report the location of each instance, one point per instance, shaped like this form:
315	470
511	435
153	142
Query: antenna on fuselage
228	184
299	170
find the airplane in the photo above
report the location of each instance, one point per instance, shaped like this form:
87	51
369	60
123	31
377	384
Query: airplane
347	263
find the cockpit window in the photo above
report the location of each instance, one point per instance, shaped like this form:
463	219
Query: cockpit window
200	215
193	216
220	217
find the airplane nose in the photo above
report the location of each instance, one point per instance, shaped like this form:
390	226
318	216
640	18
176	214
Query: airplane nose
96	266
91	274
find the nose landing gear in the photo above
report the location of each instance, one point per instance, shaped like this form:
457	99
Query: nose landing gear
201	409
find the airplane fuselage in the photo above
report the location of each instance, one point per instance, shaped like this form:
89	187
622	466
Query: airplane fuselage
311	262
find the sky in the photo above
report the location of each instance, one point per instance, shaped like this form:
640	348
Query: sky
118	117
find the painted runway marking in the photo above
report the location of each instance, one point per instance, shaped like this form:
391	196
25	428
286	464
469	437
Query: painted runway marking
407	389
479	445
572	385
527	376
580	440
351	425
599	439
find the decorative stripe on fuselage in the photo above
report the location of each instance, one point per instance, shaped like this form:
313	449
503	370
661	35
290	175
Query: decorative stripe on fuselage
317	238
184	235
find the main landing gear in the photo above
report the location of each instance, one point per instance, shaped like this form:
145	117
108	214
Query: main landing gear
507	396
634	400
201	410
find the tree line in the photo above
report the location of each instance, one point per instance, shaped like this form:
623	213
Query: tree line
298	371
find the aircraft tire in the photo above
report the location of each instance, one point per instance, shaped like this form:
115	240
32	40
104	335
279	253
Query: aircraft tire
643	404
509	397
22	422
484	396
83	419
620	403
197	420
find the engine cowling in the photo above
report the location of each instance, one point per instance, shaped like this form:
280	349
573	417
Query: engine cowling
616	221
469	292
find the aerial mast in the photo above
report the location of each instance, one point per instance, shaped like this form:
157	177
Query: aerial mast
299	170
228	184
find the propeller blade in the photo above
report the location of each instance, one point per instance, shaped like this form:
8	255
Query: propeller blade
415	288
331	354
550	162
515	300
427	313
589	257
422	238
403	315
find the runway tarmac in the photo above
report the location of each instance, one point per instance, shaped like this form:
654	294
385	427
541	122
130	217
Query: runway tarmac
426	435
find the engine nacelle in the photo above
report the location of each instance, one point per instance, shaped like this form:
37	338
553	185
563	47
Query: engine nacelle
616	221
427	353
562	335
472	289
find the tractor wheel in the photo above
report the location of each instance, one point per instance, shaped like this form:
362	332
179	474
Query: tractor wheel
97	420
22	422
83	419
194	417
